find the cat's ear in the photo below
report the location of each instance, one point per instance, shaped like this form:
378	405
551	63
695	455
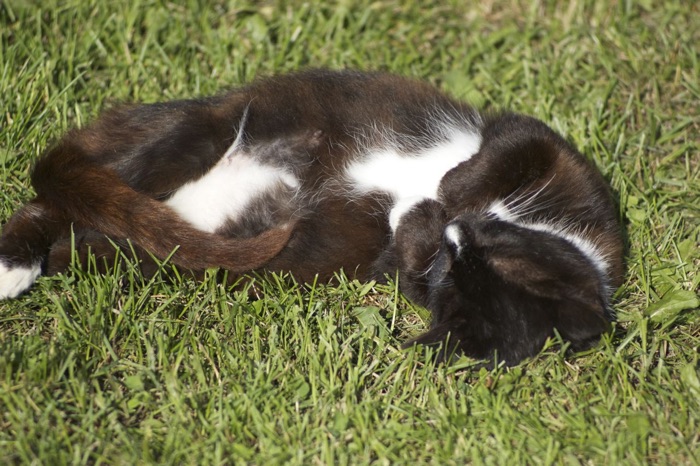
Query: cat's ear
551	272
574	294
577	298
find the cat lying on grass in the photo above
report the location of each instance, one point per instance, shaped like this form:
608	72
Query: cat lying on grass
494	222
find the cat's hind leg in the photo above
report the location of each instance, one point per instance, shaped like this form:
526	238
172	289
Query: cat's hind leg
15	279
24	244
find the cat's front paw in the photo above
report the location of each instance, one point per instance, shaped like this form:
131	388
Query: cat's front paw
14	279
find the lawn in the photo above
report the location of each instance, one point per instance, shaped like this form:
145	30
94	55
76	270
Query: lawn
122	369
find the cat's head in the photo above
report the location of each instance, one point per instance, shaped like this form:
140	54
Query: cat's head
497	286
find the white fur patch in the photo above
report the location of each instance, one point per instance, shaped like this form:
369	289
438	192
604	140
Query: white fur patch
226	190
410	178
15	280
586	247
454	235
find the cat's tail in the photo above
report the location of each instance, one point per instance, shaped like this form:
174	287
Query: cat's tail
73	190
92	196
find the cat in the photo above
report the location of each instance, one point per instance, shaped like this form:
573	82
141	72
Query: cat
494	222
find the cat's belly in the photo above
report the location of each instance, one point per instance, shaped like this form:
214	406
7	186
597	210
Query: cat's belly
227	190
410	178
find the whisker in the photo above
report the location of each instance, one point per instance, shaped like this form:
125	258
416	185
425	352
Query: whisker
432	258
531	196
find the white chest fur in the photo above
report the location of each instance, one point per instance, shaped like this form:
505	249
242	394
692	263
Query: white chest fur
227	190
411	178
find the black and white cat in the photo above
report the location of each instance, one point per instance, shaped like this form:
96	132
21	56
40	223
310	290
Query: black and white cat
495	223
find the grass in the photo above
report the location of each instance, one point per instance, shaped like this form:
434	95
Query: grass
119	369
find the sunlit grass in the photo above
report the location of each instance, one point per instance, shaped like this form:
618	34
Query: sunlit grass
122	369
